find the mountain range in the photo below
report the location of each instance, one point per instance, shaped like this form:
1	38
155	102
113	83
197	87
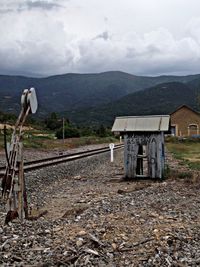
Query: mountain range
98	98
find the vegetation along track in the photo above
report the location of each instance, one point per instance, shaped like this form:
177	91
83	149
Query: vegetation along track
41	163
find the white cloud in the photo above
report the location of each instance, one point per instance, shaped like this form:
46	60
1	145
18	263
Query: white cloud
50	37
21	5
153	53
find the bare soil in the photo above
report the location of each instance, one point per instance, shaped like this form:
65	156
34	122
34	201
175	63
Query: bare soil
96	218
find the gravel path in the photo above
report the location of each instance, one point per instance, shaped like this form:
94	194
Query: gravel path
95	218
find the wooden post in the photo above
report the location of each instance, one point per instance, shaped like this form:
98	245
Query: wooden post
130	156
159	156
21	183
125	154
163	154
153	158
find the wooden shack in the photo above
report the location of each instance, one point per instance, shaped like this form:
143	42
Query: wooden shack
144	154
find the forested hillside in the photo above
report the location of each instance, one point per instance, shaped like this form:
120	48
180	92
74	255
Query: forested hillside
160	99
72	92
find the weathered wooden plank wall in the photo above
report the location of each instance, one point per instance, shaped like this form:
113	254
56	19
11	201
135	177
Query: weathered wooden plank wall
154	143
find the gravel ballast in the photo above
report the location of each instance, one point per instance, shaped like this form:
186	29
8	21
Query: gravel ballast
96	218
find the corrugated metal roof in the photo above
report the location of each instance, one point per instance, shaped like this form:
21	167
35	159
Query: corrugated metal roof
154	123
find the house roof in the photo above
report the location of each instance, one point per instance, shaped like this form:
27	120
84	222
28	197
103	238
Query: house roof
154	123
185	106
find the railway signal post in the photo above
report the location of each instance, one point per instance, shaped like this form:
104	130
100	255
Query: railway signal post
13	183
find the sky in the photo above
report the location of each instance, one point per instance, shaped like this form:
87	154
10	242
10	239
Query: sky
141	37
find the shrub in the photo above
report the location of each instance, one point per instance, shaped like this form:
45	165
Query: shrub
69	131
184	175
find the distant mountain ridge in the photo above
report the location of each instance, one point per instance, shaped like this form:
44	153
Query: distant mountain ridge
160	99
72	93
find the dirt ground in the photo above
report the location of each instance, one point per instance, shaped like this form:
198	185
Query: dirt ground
128	214
96	218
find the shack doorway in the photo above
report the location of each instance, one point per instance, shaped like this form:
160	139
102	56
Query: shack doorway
142	162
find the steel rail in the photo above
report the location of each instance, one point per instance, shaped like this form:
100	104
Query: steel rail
41	163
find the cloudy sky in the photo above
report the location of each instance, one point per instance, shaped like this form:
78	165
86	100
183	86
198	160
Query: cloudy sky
142	37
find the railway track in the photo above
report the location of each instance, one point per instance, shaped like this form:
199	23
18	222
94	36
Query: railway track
45	162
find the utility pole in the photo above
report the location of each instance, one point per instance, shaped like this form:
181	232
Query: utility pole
63	130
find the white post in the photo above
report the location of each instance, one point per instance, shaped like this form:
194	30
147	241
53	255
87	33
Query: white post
111	146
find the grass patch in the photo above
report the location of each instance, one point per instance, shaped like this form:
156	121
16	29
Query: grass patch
177	174
188	152
31	139
194	165
46	140
167	171
89	140
184	150
184	175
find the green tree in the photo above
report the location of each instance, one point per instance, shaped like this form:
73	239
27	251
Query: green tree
70	131
7	117
53	122
101	131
